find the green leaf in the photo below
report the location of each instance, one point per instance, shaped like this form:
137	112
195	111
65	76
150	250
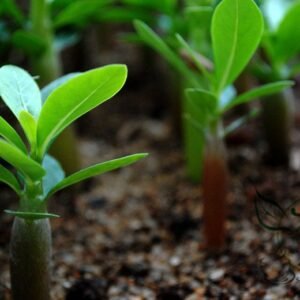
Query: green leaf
79	12
205	104
237	28
54	173
19	91
10	8
267	89
29	125
49	88
288	35
30	215
154	41
96	170
9	134
75	98
8	178
21	161
29	42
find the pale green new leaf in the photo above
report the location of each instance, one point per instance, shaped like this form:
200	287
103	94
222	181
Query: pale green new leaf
76	97
149	37
237	28
8	178
19	91
264	90
96	170
54	173
28	123
288	35
30	215
10	135
21	161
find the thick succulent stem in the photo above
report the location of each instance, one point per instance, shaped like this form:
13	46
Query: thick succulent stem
278	111
48	67
215	191
30	255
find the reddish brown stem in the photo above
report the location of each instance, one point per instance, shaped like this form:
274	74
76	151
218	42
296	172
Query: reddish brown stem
215	190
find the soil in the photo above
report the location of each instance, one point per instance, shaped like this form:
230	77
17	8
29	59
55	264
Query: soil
137	233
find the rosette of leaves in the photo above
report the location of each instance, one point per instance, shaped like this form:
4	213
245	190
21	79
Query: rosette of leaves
37	175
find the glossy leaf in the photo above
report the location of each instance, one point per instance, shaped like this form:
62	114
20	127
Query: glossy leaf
10	135
22	162
19	91
264	90
288	35
30	215
237	27
8	178
54	173
154	41
49	88
28	123
75	98
96	170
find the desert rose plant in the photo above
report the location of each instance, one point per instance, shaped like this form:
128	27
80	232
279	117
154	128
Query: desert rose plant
236	31
37	175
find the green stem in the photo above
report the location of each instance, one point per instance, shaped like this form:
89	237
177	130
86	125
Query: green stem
30	255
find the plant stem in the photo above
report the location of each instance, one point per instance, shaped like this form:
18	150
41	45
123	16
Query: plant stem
278	111
30	256
215	190
48	66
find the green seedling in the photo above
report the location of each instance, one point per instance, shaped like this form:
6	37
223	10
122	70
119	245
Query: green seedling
236	30
278	61
38	175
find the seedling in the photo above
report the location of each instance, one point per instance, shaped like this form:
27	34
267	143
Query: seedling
278	62
234	41
38	175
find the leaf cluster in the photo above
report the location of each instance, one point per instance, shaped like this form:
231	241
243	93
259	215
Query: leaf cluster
43	115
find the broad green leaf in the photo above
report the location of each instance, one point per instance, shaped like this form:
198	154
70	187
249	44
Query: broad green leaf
8	178
154	41
29	42
54	173
19	91
288	35
79	12
10	8
264	90
28	123
21	161
10	135
96	170
205	104
48	89
237	28
75	98
31	215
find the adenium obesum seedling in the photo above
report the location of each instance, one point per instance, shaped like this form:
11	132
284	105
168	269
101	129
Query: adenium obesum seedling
38	175
236	30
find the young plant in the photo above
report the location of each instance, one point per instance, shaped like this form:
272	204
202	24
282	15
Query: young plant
38	175
236	30
278	61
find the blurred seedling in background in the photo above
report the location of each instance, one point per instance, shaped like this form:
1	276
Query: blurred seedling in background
236	31
37	175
